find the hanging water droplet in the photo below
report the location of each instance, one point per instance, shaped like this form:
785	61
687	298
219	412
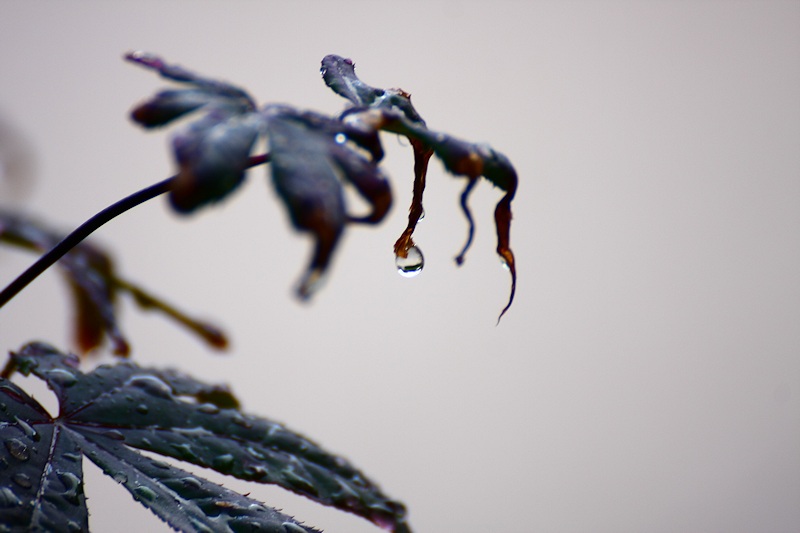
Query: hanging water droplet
145	493
410	265
160	464
62	377
120	477
23	480
151	385
74	457
18	449
504	263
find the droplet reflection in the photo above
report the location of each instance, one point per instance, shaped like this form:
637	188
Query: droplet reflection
410	265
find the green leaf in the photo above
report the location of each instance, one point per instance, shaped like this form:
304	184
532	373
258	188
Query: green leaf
109	413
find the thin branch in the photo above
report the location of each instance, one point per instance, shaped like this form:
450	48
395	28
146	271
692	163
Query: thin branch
90	226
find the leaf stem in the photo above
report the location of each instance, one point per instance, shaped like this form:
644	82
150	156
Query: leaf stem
90	226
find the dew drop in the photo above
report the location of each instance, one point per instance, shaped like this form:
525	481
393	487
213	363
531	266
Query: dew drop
289	527
18	449
74	457
72	484
185	451
223	462
200	526
142	409
340	138
191	483
151	385
257	472
145	493
255	453
74	526
23	480
113	434
240	420
208	408
28	430
410	265
8	498
62	377
120	477
160	464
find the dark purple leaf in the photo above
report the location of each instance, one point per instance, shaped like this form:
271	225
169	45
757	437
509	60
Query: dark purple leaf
310	157
112	411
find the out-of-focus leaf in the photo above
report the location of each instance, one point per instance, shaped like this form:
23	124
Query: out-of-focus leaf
310	158
213	152
95	286
112	411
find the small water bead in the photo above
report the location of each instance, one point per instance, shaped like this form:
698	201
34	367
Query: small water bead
28	430
293	528
151	385
410	265
208	408
18	449
120	477
23	480
340	138
145	493
8	498
62	377
142	409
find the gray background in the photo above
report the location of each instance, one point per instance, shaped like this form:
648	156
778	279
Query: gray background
647	377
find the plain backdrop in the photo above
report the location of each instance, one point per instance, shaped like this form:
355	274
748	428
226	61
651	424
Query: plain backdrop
647	377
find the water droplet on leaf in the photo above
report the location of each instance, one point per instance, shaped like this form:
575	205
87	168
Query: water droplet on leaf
208	408
62	377
18	449
142	409
114	434
292	528
145	493
340	138
223	463
28	430
120	477
23	480
8	498
151	385
410	265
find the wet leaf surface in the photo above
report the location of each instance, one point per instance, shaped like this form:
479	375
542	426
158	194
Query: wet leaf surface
113	411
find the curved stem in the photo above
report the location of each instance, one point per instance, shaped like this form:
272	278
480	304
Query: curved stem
87	228
84	230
